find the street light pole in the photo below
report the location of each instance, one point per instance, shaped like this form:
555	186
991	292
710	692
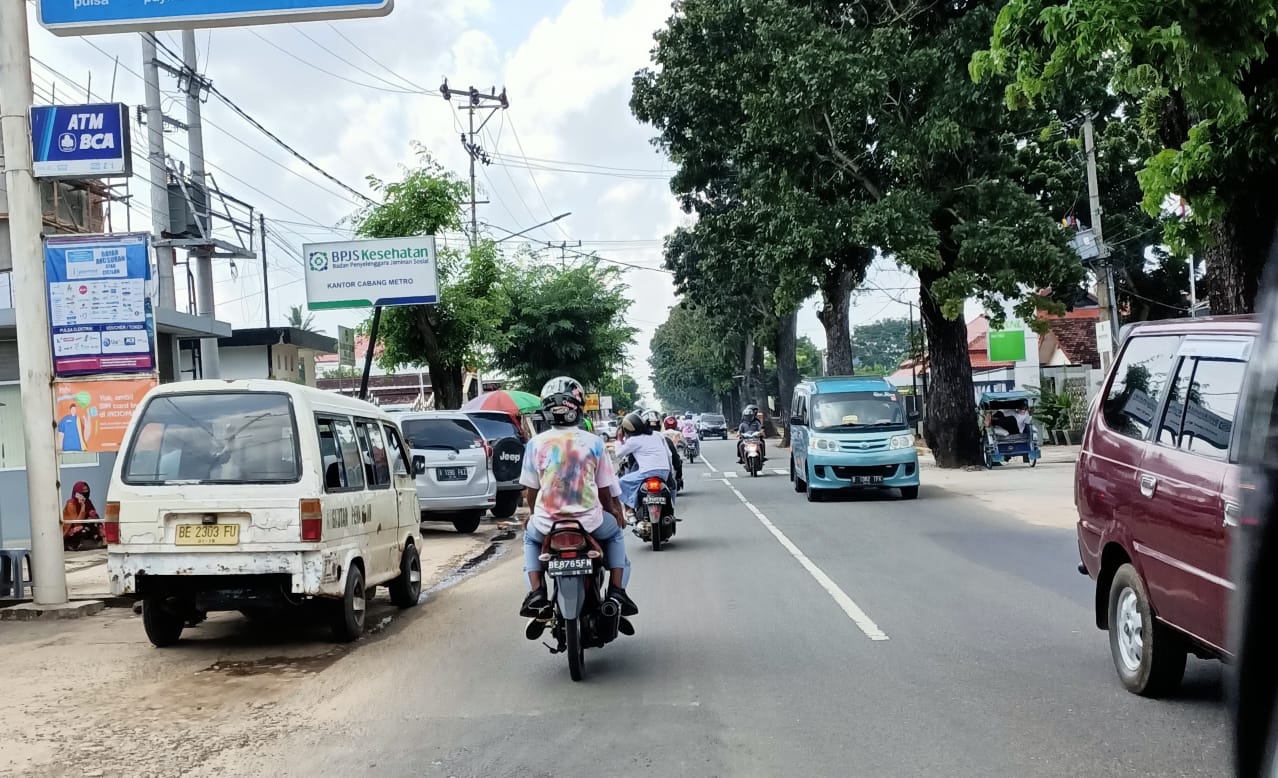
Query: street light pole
530	229
31	309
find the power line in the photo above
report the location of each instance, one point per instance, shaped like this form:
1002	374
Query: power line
340	58
338	76
550	214
278	141
566	163
363	50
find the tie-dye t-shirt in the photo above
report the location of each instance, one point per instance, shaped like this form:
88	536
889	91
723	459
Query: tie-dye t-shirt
569	467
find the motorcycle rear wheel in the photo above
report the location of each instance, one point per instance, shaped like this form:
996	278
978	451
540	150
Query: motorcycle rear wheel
576	653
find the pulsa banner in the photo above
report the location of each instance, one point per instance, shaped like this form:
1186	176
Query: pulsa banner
81	141
99	312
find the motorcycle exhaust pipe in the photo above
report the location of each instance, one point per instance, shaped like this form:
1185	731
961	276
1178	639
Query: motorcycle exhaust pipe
610	609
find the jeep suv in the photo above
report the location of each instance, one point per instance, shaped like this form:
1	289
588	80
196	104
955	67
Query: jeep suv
506	440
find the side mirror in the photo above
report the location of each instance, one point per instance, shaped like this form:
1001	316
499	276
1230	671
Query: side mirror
796	421
419	465
914	417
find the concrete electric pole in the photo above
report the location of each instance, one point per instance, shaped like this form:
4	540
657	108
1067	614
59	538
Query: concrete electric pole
476	101
205	304
1105	294
31	309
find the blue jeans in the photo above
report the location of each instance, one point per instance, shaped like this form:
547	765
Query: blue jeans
609	535
630	483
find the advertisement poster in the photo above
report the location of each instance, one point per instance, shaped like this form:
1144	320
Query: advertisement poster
93	415
367	273
99	312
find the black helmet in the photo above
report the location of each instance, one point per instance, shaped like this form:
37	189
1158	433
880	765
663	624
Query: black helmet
633	424
750	412
562	400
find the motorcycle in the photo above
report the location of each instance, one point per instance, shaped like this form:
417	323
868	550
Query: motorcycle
653	509
583	616
752	452
690	448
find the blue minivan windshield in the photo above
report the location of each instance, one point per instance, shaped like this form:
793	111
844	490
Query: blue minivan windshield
857	410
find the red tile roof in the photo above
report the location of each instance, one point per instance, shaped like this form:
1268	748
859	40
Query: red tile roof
1076	338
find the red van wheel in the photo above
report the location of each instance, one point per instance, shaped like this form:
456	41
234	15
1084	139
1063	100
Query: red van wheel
1149	657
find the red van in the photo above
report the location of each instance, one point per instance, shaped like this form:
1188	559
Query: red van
1156	487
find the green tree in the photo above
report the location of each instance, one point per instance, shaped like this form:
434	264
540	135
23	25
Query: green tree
809	358
298	317
563	321
692	365
882	343
1202	77
624	391
452	334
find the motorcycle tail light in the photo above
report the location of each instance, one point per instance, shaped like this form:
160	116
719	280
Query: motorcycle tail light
652	485
567	541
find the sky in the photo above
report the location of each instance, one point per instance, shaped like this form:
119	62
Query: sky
354	95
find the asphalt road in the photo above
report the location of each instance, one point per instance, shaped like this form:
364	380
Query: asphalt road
860	637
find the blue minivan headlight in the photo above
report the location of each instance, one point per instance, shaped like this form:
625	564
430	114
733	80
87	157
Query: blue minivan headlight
901	441
822	444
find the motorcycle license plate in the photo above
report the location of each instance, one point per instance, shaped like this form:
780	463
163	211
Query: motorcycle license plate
867	479
653	499
558	567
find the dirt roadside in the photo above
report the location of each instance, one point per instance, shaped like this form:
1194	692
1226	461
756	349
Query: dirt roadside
92	697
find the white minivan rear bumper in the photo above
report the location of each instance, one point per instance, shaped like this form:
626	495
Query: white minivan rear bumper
314	573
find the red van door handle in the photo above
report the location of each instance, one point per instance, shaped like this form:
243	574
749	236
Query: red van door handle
1148	484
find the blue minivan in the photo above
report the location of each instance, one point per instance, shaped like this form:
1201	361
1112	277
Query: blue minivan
851	432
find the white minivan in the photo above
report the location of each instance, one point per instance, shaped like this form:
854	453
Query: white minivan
257	495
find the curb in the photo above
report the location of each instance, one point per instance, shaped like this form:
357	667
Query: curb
29	611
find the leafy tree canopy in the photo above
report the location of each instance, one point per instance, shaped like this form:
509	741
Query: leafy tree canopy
562	321
624	391
883	343
691	363
1202	76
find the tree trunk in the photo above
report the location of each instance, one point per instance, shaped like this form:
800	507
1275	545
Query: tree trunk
1235	261
836	294
787	370
446	383
950	428
747	380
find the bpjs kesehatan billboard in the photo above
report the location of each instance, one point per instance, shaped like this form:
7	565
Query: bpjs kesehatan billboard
81	141
369	273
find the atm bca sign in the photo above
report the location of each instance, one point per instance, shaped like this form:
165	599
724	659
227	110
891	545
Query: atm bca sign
81	141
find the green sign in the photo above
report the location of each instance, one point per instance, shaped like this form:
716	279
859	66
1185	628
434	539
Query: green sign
1007	345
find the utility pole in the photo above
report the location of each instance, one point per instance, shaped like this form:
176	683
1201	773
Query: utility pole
205	304
266	297
476	101
31	309
1105	295
563	247
165	257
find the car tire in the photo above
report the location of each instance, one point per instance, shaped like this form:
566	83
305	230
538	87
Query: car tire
406	590
507	504
909	492
1148	655
508	459
469	522
814	494
162	623
348	614
800	486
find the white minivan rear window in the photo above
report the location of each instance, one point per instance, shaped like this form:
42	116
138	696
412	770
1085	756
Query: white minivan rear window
214	438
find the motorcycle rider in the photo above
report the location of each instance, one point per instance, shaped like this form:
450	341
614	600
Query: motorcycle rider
660	425
651	452
688	428
751	421
568	475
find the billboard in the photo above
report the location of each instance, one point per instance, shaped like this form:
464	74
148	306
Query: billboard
99	312
92	415
81	141
592	402
368	273
92	17
1006	345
